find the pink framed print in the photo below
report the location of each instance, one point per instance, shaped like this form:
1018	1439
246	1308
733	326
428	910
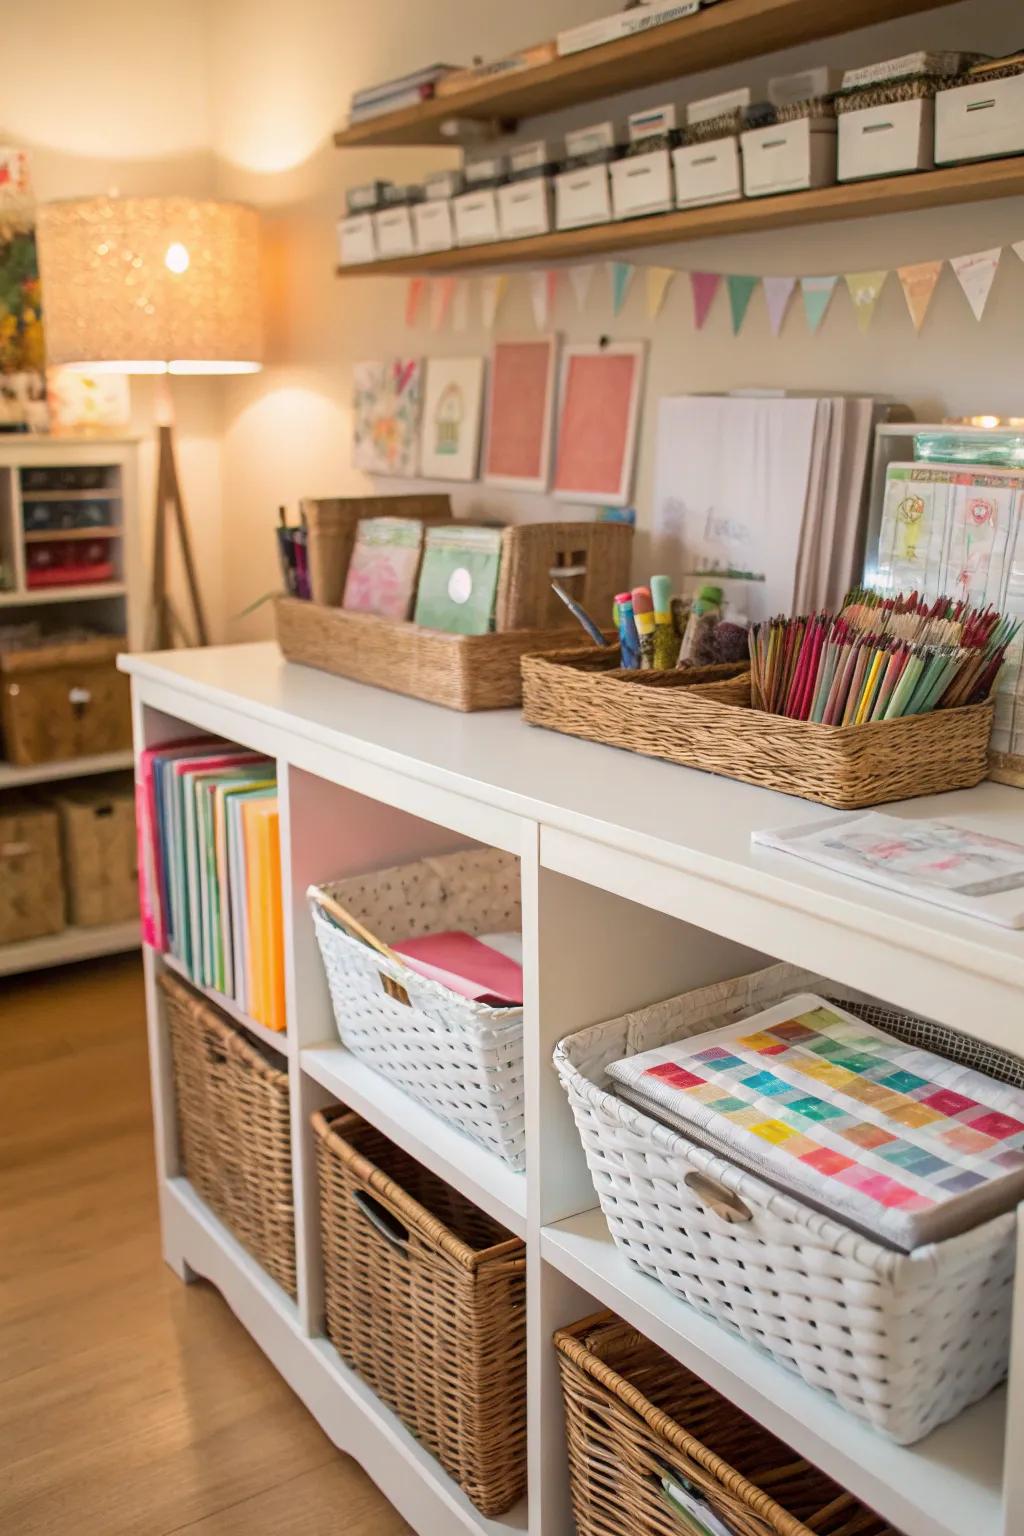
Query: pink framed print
517	442
599	402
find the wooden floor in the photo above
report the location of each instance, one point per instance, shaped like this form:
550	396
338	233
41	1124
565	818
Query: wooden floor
130	1404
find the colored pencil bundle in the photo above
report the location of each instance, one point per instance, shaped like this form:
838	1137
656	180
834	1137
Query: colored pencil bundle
880	659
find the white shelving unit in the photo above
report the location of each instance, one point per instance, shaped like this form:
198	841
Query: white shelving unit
114	606
639	880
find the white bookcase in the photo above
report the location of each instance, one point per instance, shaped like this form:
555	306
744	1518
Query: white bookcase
114	605
639	881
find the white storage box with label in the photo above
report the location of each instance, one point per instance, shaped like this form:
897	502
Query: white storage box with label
708	172
525	208
393	230
886	138
642	184
981	120
432	224
583	197
790	156
476	217
356	243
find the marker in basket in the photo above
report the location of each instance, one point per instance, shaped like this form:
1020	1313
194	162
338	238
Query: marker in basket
643	617
666	645
579	613
629	642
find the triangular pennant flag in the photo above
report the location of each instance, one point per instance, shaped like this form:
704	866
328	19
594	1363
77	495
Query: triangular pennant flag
741	291
919	281
817	295
705	285
413	299
777	293
460	305
1018	246
581	279
621	274
543	286
977	274
442	291
864	290
492	290
658	279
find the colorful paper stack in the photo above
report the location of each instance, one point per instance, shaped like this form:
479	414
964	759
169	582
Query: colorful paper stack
210	870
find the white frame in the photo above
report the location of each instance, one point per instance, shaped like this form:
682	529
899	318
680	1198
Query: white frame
466	464
512	482
621	496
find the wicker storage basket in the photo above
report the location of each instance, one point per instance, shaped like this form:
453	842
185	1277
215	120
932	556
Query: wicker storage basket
463	1060
633	1416
712	726
905	1341
100	852
65	700
426	1299
233	1128
332	521
31	888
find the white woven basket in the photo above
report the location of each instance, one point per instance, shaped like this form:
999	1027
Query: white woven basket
905	1341
461	1059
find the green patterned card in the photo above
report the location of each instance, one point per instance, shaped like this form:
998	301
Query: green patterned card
459	579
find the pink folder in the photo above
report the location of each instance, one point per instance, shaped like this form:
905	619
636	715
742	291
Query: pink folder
463	964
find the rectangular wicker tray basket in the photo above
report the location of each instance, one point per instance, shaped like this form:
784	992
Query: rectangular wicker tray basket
466	672
701	722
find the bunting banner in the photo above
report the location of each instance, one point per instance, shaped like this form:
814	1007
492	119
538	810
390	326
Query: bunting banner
741	291
919	282
1018	246
460	305
581	279
865	288
657	280
621	274
442	291
492	291
413	299
777	293
817	295
543	286
705	285
976	274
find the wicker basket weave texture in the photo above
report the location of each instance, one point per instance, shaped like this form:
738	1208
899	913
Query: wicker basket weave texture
426	1299
713	727
31	887
904	1341
461	1059
64	701
100	852
633	1415
595	559
233	1128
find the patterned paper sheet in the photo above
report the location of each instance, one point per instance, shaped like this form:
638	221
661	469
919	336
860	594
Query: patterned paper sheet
896	1140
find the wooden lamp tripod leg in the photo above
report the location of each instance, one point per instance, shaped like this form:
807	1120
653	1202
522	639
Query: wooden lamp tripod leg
168	494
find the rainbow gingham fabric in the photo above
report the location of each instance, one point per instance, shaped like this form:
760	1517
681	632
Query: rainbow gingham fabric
905	1144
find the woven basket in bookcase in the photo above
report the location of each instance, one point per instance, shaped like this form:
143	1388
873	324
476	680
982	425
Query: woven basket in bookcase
31	885
634	1416
903	1340
426	1299
233	1128
461	1059
712	726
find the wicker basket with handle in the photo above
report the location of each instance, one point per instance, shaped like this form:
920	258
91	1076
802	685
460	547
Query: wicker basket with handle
426	1299
64	700
233	1127
633	1417
905	1341
100	851
31	888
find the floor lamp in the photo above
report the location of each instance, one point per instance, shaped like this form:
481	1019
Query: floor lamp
158	285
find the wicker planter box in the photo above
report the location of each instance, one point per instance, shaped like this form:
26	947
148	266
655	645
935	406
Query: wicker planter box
712	726
463	1060
426	1299
59	701
100	852
905	1341
31	887
233	1128
633	1416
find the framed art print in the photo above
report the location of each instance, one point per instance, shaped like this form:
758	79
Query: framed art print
452	410
599	403
517	451
386	416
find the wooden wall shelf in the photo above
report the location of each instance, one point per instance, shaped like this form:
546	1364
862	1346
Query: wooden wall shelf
726	33
853	200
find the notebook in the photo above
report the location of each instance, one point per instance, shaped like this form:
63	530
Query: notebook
891	1139
384	566
471	967
459	580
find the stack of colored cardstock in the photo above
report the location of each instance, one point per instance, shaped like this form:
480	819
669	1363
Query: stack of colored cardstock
210	869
